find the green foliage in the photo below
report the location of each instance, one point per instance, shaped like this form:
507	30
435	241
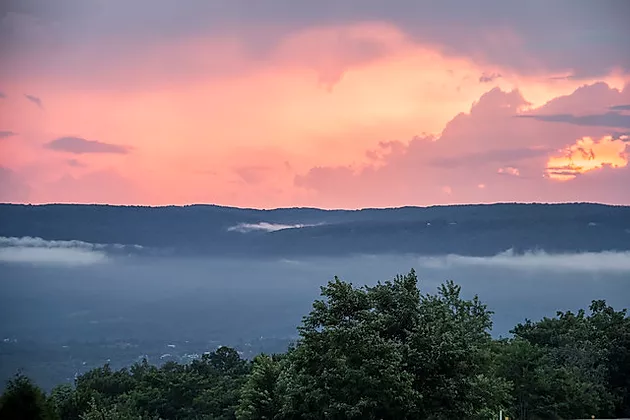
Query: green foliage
23	400
109	412
574	365
389	352
382	352
206	388
261	397
64	400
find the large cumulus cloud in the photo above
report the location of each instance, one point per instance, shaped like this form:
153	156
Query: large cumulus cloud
487	154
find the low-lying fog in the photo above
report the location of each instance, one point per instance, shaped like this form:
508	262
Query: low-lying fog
77	291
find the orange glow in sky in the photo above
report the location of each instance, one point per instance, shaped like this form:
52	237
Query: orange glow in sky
588	155
215	123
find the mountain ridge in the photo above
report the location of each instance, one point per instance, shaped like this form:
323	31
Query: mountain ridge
471	229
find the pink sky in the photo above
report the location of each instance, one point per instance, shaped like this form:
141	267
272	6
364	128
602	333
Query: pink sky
309	108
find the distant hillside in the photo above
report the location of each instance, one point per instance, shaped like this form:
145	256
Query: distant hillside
214	230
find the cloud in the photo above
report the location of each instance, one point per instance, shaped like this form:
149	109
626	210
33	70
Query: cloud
34	242
78	145
590	98
608	119
33	250
620	108
530	36
164	87
3	95
489	156
263	226
34	99
51	256
587	155
488	77
29	250
509	170
6	133
600	262
481	147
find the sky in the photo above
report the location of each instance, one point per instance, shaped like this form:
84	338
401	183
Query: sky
361	103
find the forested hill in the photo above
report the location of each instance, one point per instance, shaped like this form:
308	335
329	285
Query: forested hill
207	229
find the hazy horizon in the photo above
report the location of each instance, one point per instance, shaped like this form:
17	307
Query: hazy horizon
539	283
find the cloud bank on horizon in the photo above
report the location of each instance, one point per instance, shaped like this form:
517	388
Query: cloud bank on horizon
328	104
592	262
263	227
39	251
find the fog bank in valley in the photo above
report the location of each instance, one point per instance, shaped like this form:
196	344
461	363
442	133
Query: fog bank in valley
76	290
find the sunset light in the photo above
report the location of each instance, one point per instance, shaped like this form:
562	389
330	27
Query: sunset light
587	155
252	114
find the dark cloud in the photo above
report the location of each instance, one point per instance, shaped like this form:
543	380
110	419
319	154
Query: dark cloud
34	99
608	119
3	95
488	77
620	108
565	170
580	37
7	133
79	146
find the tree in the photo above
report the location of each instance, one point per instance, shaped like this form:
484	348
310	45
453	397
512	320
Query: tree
260	396
388	352
452	357
543	388
614	337
224	374
571	365
63	399
108	412
23	400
